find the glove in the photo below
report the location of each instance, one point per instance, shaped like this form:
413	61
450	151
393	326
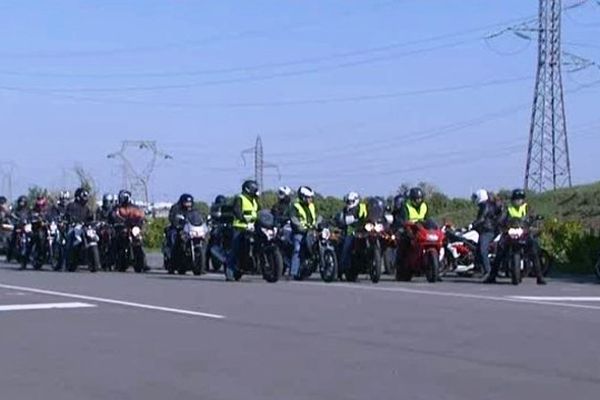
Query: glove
350	219
470	227
250	228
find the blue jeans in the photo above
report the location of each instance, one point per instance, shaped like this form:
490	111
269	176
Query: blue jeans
297	242
483	251
347	252
232	258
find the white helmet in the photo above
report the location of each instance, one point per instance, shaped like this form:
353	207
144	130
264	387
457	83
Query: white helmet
284	192
305	193
480	196
352	199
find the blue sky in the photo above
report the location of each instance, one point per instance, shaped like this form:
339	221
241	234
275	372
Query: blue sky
346	94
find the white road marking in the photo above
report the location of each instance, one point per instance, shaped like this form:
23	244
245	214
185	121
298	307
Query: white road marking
558	298
112	301
506	299
43	306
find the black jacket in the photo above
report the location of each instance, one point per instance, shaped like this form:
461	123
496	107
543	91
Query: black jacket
20	215
281	212
190	215
78	213
487	218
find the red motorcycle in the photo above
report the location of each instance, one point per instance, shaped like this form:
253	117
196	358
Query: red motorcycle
419	252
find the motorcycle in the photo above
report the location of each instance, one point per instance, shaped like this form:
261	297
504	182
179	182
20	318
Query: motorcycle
128	247
40	244
459	252
105	240
83	248
260	253
318	254
419	252
6	230
367	253
22	232
189	250
58	233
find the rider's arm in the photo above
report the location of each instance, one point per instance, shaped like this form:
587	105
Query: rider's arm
295	220
238	212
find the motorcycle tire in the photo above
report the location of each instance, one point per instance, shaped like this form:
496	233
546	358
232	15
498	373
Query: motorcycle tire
94	261
375	271
433	266
329	266
199	263
515	269
271	265
139	260
351	275
597	268
57	260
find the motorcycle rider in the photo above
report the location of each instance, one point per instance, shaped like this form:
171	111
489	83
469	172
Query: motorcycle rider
77	212
245	213
281	209
518	209
351	218
60	208
303	217
125	212
415	209
18	216
486	225
104	212
184	207
4	209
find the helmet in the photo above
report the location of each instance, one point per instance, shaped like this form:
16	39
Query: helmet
82	195
124	197
22	201
284	193
250	188
64	196
41	202
305	194
352	199
186	201
480	196
220	200
399	201
415	194
518	194
3	200
108	199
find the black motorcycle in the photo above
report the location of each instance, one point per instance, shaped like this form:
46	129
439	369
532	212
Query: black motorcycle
83	248
58	233
367	247
40	243
219	244
188	252
318	254
128	247
106	235
259	253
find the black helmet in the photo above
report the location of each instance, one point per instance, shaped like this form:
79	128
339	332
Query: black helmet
22	202
518	194
82	196
415	194
3	200
186	201
250	188
399	201
220	200
108	199
124	197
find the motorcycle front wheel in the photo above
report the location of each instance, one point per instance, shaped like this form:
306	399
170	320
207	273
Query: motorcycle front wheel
272	265
329	265
94	261
375	271
433	266
515	269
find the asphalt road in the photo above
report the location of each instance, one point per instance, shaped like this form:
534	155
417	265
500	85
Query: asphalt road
154	336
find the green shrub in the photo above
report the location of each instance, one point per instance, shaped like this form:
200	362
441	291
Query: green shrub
154	232
575	249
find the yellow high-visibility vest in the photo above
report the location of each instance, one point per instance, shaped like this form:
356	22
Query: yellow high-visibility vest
517	212
304	217
249	211
415	215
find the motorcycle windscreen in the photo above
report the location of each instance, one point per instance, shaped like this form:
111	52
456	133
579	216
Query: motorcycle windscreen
265	219
195	218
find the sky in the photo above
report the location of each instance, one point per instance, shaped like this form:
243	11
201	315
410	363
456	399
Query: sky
346	94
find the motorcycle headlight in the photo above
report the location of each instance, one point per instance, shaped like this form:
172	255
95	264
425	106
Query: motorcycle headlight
325	234
379	228
369	227
136	231
27	228
432	237
515	233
